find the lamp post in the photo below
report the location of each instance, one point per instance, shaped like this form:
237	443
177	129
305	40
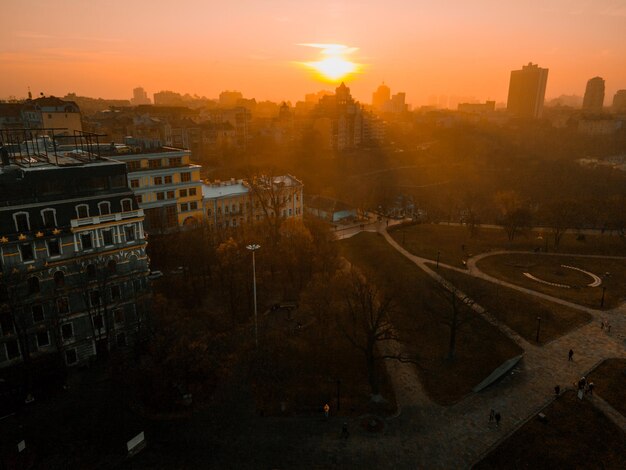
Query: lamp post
538	328
253	247
602	300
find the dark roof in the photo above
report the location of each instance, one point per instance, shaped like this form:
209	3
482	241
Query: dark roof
10	109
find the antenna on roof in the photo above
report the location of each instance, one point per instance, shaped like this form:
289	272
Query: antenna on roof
30	95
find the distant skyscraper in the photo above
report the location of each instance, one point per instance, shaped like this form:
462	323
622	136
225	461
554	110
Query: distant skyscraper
139	97
594	95
527	90
380	97
619	101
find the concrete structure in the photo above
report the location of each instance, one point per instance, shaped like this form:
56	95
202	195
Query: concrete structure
329	209
166	185
233	203
619	102
46	112
139	97
594	95
380	97
72	257
527	89
477	108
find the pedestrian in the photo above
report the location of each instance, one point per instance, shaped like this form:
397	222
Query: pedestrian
557	390
326	410
492	415
498	419
590	387
608	327
570	355
344	430
602	325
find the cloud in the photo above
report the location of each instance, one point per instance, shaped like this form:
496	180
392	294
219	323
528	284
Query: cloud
331	49
32	35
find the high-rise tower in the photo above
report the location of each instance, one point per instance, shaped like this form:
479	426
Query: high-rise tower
527	90
594	95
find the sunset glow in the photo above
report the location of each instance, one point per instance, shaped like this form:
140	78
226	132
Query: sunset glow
335	66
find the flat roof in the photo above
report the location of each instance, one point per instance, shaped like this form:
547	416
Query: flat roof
224	189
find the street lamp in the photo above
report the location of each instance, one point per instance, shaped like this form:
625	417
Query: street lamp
602	300
253	247
538	328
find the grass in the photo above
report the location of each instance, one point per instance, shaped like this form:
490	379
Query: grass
300	368
576	435
445	381
454	244
511	267
609	380
517	310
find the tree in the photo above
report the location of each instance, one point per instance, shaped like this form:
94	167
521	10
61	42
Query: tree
514	216
365	322
561	216
446	307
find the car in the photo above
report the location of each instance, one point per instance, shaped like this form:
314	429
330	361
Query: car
178	270
155	275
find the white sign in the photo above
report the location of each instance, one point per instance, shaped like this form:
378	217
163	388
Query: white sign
21	446
136	443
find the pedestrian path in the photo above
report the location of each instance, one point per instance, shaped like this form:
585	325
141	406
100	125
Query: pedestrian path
610	412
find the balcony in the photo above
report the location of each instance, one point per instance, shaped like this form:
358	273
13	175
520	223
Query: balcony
108	218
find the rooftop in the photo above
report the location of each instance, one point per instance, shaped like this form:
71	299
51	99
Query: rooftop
219	189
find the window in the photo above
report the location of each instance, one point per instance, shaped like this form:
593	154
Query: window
138	198
119	316
226	207
54	247
98	323
183	193
127	205
82	211
290	211
104	207
208	212
22	224
160	196
94	298
26	250
116	292
158	180
168	179
112	266
185	177
171	194
33	285
121	339
86	241
154	163
129	233
184	207
43	339
134	183
6	323
193	206
49	218
107	237
192	191
91	271
63	305
67	331
13	350
37	310
176	161
71	357
133	165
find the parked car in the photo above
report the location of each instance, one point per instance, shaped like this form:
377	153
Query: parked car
155	275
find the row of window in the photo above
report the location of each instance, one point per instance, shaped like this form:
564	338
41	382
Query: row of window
155	163
188	206
49	217
158	180
86	240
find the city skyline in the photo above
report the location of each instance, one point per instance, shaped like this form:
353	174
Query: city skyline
260	48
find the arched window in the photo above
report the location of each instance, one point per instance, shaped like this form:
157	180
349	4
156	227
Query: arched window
48	216
82	211
127	205
33	285
104	207
91	271
112	266
59	278
22	221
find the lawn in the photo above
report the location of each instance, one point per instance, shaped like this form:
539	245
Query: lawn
511	267
297	371
609	380
421	332
576	435
454	244
517	310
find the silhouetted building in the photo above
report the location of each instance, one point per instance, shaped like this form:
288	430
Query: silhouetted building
49	112
139	97
380	97
477	108
619	101
527	89
230	99
594	95
72	257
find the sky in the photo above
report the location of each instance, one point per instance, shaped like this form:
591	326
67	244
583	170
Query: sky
425	48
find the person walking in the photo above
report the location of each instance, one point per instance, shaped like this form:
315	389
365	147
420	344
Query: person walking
557	390
492	415
326	410
498	417
570	355
590	388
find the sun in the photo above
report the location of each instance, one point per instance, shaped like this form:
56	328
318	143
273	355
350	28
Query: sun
334	66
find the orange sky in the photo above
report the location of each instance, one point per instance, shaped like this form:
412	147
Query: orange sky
422	47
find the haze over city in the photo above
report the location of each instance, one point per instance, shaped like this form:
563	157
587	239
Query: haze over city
423	48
